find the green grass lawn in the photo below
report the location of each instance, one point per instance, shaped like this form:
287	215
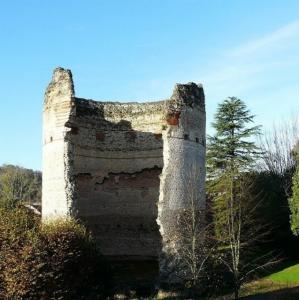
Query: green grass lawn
287	275
285	278
282	284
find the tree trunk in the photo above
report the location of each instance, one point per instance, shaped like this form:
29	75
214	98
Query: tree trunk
236	291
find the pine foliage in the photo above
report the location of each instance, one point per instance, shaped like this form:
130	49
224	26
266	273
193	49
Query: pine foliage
231	148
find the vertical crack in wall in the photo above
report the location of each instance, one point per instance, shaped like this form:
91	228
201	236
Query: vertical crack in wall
162	204
70	192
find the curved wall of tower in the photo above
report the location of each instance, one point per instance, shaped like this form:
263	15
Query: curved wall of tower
123	168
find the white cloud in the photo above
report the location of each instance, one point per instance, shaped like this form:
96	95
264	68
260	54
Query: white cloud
276	38
261	71
261	62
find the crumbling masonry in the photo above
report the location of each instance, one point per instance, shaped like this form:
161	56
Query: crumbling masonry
122	168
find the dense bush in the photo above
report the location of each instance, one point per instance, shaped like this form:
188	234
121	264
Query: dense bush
57	260
74	267
18	240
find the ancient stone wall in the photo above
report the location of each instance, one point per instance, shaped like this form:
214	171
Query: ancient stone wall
122	167
58	106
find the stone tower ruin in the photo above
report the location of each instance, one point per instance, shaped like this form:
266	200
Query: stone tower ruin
124	168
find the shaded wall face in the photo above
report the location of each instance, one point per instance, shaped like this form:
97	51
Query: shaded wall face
117	159
122	212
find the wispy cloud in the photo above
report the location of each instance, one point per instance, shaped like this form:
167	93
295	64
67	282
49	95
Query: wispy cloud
276	38
255	62
263	71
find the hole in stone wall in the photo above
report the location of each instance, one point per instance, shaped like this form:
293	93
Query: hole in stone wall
130	136
186	136
100	136
197	140
173	118
74	130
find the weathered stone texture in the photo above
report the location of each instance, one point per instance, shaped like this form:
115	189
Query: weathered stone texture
121	167
184	159
58	107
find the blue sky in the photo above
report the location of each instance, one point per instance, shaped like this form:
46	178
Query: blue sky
137	50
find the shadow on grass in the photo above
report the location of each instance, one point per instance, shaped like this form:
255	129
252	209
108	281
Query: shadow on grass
138	280
134	279
282	294
283	264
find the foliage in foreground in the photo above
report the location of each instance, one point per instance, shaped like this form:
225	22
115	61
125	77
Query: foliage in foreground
57	260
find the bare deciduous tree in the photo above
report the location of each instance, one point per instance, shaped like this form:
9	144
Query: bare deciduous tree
193	250
18	184
241	234
278	151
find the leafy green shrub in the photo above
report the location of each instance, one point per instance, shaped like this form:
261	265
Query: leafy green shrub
56	260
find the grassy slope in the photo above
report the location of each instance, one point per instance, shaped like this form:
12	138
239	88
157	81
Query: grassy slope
286	278
288	275
280	285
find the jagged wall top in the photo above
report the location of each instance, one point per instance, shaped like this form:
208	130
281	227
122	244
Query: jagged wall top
190	94
61	87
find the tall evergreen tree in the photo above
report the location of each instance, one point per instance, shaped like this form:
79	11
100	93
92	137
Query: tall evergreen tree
232	153
231	149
